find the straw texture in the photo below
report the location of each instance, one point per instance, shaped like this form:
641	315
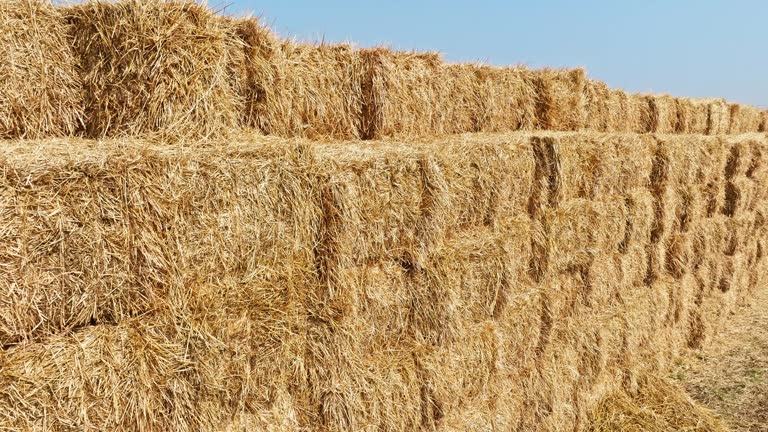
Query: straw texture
474	281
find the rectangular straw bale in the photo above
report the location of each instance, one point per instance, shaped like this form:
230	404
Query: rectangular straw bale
664	114
490	178
764	121
380	201
719	117
74	251
744	119
505	100
618	111
464	372
402	93
349	388
640	207
640	118
487	268
462	87
711	175
139	375
693	116
303	90
40	89
561	98
598	105
578	229
592	165
135	86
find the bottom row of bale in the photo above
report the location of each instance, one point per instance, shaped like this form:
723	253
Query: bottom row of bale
476	282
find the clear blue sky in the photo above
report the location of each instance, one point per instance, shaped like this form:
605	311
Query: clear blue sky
682	47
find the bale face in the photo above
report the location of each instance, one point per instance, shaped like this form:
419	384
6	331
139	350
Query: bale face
133	85
598	106
719	117
693	116
402	93
744	119
76	218
40	88
618	111
287	285
664	114
505	100
299	90
560	99
639	114
764	121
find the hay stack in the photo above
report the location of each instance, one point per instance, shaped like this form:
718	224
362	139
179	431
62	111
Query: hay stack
764	121
693	116
472	281
402	93
155	68
40	89
504	101
744	119
598	106
300	90
639	114
561	98
664	114
719	117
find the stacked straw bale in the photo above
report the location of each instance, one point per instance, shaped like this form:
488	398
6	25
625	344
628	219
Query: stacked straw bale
469	282
561	102
693	116
40	89
300	90
719	117
764	121
744	119
155	67
664	114
402	94
493	99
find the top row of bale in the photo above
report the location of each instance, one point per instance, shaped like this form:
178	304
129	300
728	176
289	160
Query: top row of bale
179	70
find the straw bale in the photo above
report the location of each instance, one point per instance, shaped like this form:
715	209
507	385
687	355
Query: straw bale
560	98
353	389
764	121
744	119
664	114
301	90
592	165
639	205
40	89
133	85
505	100
464	371
618	111
640	117
491	179
138	375
487	268
74	249
402	93
598	106
711	175
579	229
719	117
693	116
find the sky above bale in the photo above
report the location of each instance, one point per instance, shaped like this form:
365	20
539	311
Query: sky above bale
686	48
